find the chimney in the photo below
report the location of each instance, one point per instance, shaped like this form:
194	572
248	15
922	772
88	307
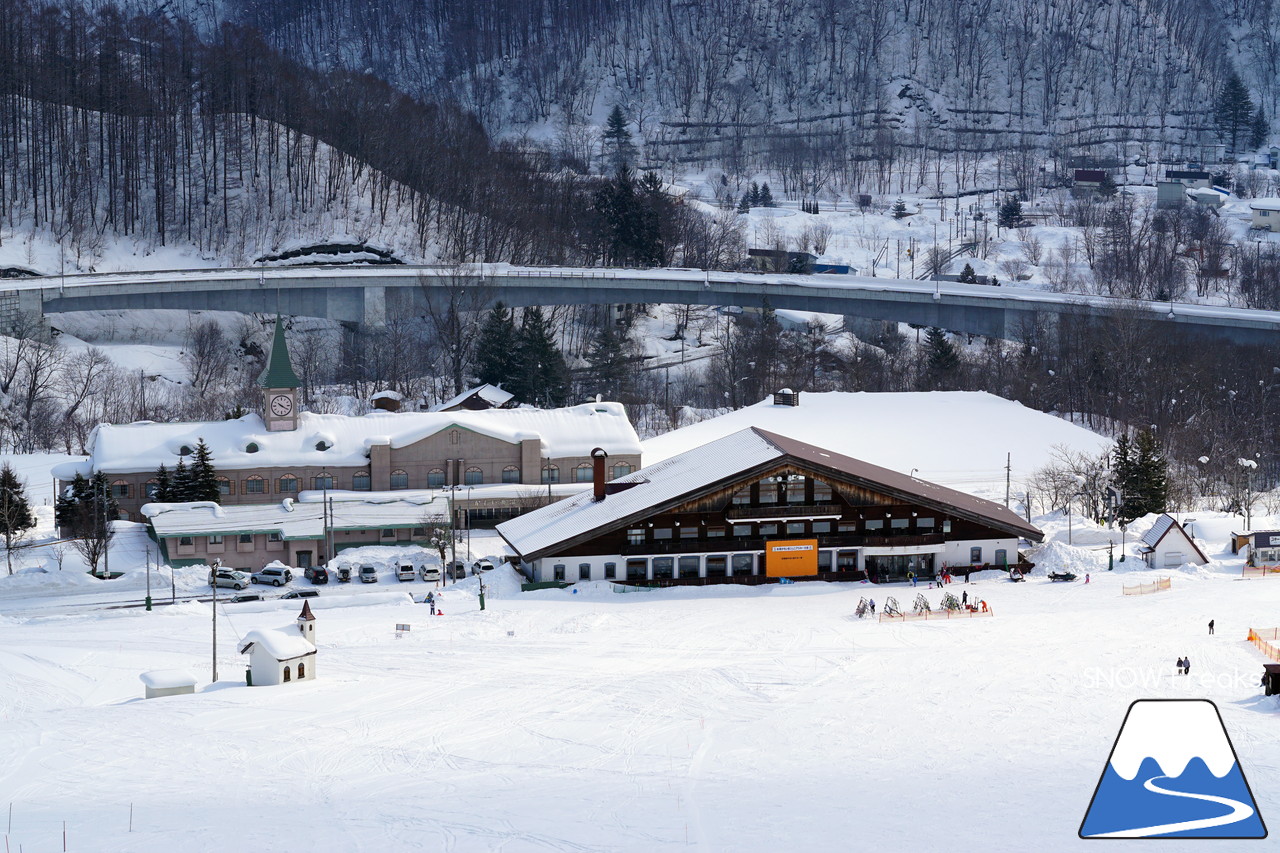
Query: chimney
597	475
786	397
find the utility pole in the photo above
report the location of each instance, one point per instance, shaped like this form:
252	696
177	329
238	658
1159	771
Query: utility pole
1008	474
148	580
214	571
106	534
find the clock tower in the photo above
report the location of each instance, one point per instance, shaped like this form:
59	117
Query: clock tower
279	386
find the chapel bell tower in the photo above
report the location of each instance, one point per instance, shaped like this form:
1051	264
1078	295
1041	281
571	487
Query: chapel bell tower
279	386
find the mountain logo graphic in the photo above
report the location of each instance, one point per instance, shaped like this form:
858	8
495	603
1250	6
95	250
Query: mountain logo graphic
1173	773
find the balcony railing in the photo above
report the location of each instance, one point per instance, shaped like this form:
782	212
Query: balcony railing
733	543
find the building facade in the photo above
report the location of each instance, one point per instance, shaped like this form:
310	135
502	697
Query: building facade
754	505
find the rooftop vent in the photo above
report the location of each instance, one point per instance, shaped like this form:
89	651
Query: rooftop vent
786	397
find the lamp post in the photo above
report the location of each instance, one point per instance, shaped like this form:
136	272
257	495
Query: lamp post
148	580
1123	528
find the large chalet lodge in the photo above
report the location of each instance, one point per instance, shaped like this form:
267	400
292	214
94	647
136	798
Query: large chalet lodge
755	505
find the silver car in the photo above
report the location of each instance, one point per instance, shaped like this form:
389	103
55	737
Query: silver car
228	577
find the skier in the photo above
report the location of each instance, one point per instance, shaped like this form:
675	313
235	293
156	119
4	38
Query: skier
1186	666
1086	577
431	599
1210	627
1181	664
911	576
964	597
873	607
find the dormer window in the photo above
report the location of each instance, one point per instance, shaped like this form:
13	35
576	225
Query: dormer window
323	445
251	447
185	450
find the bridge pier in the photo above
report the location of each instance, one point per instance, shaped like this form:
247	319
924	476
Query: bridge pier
375	306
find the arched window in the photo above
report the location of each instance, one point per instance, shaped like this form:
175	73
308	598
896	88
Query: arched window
435	478
454	436
150	488
286	674
511	474
288	485
120	489
302	670
322	481
622	469
551	474
400	480
473	476
360	481
254	485
225	486
582	473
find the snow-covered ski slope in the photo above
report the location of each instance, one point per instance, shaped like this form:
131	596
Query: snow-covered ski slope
718	719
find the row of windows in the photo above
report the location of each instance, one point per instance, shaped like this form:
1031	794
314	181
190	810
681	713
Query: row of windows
361	481
872	526
792	488
247	538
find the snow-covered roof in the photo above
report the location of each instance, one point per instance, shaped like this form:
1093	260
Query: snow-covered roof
961	439
1265	204
491	395
680	477
142	447
281	643
1164	525
167	679
302	519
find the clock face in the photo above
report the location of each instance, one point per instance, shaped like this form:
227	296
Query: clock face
281	405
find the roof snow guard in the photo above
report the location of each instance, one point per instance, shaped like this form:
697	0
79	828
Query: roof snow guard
701	470
279	370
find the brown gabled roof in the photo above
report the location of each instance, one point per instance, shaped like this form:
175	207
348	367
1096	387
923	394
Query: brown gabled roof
898	484
306	615
1096	175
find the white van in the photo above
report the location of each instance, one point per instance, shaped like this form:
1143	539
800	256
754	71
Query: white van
430	573
406	572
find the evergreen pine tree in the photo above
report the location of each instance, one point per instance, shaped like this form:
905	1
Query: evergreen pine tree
1151	472
164	486
620	151
609	362
1233	112
967	275
744	205
15	512
204	477
542	377
1010	214
753	197
1106	187
181	486
1123	476
766	196
495	347
899	209
940	355
85	506
1259	130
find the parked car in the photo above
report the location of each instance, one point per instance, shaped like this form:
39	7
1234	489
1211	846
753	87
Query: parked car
273	575
301	593
245	596
431	573
368	574
481	566
406	572
344	574
229	577
457	570
316	574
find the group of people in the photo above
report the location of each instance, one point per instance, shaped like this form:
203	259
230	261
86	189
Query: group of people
1184	666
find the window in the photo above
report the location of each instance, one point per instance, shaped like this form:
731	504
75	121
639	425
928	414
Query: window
637	569
688	532
821	527
899	523
584	571
454	436
254	485
924	524
946	525
795	528
690	567
323	445
511	474
743	564
795	490
360	481
322	481
610	571
847	527
558	571
302	671
717	565
274	536
287	485
286	673
246	539
769	529
251	447
715	532
664	568
473	476
635	536
821	492
224	486
184	450
120	489
768	491
150	489
742	531
435	478
742	497
186	540
975	555
550	474
215	540
662	533
582	473
400	480
824	561
622	469
874	524
388	533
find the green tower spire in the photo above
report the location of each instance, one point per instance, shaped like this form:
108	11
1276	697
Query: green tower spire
279	370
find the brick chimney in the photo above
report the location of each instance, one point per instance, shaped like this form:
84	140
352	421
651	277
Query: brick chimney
597	474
